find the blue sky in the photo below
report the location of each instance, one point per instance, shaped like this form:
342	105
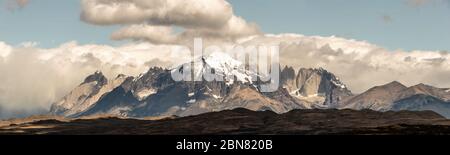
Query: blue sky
389	23
50	23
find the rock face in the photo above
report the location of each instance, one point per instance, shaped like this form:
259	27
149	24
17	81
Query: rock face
147	84
86	94
288	78
317	87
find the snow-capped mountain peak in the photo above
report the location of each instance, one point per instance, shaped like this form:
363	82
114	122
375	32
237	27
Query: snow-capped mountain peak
221	64
221	61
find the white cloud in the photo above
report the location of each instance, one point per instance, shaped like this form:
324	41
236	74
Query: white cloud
29	44
32	78
234	29
4	50
360	64
153	20
186	13
154	34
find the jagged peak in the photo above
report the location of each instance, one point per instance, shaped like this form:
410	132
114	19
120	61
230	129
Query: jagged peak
221	60
287	73
318	70
155	68
393	85
324	73
424	88
120	76
288	69
422	85
98	77
217	60
321	69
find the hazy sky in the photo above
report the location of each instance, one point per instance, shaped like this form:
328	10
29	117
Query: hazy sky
394	24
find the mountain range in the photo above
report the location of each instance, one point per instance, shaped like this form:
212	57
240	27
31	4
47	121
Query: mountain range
155	93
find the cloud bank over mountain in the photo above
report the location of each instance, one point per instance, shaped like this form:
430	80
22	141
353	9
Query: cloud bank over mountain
33	78
359	64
